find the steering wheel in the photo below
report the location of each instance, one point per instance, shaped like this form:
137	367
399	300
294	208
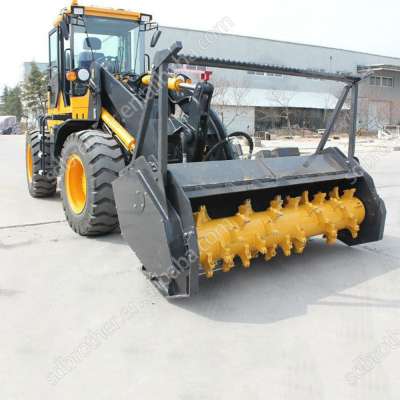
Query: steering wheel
110	63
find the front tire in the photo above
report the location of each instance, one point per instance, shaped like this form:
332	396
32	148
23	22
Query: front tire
38	185
90	162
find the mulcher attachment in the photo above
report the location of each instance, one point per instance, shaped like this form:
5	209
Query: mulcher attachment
286	225
212	216
186	220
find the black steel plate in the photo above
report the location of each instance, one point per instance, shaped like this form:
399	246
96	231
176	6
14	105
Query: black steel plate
216	177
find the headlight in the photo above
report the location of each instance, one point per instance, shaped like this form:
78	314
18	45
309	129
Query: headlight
77	10
145	18
83	75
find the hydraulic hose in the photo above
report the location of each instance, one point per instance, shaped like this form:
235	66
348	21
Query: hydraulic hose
225	140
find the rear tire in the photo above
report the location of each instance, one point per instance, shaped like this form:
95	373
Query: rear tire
38	185
90	162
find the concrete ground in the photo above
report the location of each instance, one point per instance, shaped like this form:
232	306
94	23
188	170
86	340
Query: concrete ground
80	321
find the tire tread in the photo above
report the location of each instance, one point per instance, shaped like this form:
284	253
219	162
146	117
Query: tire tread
105	160
40	186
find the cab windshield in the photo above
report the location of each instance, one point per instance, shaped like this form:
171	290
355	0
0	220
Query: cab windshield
116	43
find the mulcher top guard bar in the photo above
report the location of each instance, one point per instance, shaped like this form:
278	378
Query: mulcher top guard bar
351	83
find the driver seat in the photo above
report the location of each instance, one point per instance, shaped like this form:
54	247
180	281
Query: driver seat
86	57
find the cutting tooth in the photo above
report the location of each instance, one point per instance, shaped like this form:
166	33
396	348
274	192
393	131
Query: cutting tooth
246	208
275	208
210	260
271	253
254	253
334	194
300	241
292	202
210	265
277	203
331	234
202	216
260	244
286	246
305	198
228	263
331	238
305	201
349	193
319	198
209	274
299	245
245	256
354	228
244	212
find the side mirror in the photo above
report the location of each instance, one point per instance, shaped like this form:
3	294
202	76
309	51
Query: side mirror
64	29
154	38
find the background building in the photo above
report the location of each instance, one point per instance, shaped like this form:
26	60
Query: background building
252	101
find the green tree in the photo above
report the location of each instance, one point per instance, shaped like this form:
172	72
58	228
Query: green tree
34	91
3	100
11	102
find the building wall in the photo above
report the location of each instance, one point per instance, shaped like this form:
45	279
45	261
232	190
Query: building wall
277	118
237	118
378	105
273	52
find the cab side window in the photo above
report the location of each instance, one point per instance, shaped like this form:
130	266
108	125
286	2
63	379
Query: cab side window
53	68
66	61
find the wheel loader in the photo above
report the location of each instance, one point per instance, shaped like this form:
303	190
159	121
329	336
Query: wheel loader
138	146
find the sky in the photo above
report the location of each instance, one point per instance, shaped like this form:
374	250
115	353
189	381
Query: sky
350	24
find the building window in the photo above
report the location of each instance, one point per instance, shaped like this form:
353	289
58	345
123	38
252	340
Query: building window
387	82
264	74
381	81
191	67
375	81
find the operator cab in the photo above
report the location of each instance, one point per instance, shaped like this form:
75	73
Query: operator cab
83	35
116	44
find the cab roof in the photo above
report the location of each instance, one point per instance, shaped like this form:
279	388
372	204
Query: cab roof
102	12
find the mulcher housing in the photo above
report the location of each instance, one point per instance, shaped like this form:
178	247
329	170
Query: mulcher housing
156	202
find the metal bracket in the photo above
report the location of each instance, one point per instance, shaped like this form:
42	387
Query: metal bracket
157	90
42	148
